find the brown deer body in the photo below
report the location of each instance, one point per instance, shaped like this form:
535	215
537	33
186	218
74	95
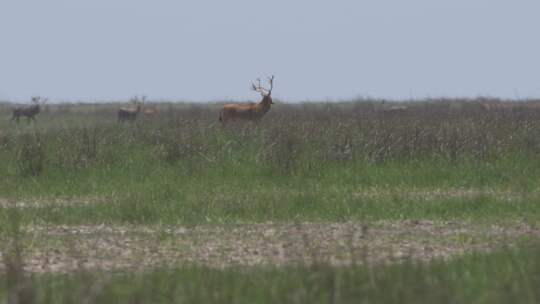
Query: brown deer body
150	112
130	114
249	111
126	114
29	111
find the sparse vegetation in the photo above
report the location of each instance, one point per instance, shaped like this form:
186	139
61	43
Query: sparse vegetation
511	275
307	162
464	161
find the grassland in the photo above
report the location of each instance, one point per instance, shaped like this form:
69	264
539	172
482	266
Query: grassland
505	277
253	207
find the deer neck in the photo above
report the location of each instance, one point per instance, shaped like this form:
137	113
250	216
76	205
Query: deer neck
265	104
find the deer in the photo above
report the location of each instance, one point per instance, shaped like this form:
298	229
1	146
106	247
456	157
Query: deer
389	108
150	112
147	112
249	111
29	111
130	114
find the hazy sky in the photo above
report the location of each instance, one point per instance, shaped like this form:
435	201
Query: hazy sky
211	50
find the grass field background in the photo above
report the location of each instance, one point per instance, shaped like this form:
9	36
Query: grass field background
469	161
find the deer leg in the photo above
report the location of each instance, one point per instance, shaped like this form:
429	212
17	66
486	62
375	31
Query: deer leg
222	118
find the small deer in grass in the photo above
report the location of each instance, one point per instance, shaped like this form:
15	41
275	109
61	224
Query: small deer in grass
150	112
249	111
130	114
29	111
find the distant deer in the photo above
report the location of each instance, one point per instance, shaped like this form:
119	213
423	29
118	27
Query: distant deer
389	108
29	111
249	111
150	112
130	114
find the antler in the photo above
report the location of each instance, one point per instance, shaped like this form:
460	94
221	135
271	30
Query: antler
134	99
138	100
37	99
260	89
271	82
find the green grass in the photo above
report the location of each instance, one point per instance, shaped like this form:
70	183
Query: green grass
309	162
165	195
508	276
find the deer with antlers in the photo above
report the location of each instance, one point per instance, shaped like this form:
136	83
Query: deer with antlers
130	114
249	111
29	111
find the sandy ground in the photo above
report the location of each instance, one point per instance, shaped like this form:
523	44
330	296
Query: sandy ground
69	248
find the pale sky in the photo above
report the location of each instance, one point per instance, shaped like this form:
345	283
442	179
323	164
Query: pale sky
88	50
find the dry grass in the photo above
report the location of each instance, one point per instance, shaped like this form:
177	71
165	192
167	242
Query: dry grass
71	248
41	202
291	138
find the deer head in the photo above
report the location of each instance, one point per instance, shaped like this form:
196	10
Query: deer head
138	102
36	100
265	93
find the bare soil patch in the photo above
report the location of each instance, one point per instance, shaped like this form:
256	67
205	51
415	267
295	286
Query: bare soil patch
444	194
69	248
40	202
